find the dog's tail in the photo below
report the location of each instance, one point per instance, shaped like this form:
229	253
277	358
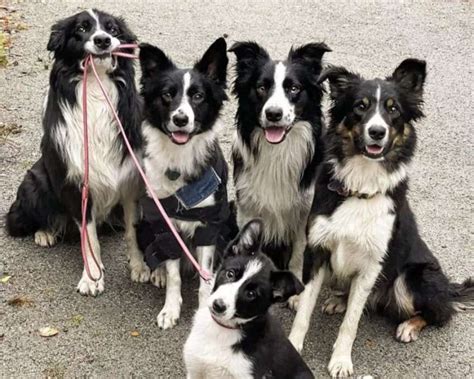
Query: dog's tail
462	295
19	222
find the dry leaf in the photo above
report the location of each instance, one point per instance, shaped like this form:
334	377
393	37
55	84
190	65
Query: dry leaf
77	320
135	333
4	279
47	331
20	301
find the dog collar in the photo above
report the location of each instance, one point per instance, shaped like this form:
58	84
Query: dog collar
223	325
337	186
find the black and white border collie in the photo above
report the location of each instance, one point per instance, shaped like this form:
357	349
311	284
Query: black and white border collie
236	336
362	233
50	194
183	159
277	148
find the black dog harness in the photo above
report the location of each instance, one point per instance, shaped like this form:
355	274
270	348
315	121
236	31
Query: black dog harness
154	237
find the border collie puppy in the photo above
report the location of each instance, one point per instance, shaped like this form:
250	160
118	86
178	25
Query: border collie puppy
185	165
277	149
50	194
236	336
362	233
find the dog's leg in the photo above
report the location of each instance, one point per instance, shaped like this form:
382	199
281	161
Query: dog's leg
45	238
340	364
205	257
158	277
139	271
409	330
86	285
169	315
307	303
296	263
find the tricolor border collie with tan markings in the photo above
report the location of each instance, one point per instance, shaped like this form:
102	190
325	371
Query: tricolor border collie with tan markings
236	336
277	148
362	233
50	195
183	161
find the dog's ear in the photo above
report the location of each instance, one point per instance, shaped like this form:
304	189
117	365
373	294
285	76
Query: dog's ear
285	284
214	62
248	55
126	34
59	34
153	60
310	55
249	239
340	79
410	75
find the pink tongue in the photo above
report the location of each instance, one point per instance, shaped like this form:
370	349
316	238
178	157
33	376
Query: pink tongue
274	135
180	137
374	149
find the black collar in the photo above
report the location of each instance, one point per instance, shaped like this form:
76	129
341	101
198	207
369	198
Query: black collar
337	186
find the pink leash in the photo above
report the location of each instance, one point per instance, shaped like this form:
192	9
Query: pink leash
85	189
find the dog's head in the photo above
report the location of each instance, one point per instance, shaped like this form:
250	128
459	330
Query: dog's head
275	95
88	32
183	103
247	283
373	118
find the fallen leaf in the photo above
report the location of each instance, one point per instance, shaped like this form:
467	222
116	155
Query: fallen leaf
5	278
77	320
47	331
20	301
135	333
370	343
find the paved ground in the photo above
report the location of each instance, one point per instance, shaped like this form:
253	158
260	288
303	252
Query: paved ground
95	334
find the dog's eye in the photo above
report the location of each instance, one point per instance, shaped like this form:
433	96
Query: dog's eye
392	109
230	274
362	105
391	106
251	294
261	90
294	90
167	97
198	97
81	29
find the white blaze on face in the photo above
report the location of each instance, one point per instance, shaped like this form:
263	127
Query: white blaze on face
278	100
180	134
228	292
376	146
90	46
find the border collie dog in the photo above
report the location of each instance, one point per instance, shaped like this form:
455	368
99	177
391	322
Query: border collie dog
50	194
362	233
277	149
185	165
235	336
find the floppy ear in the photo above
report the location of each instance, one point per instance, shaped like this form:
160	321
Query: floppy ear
248	51
214	62
153	60
126	34
310	54
249	239
340	79
410	75
58	36
285	284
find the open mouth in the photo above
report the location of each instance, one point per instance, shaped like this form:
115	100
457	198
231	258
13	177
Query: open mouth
275	134
180	138
373	150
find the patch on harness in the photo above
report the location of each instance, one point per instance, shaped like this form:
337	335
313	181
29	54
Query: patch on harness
192	194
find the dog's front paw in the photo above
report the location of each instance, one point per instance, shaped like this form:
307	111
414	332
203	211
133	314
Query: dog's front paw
89	287
335	304
44	238
408	331
139	272
158	277
340	366
169	315
293	302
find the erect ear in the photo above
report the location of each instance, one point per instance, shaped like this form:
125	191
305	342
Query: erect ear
126	34
214	62
310	54
340	79
59	34
249	239
153	60
248	55
411	74
285	284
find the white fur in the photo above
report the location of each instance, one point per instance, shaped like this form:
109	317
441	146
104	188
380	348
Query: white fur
184	108
376	120
90	47
403	297
209	353
278	99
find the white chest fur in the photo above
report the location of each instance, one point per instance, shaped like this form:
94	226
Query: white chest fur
107	172
357	233
269	183
208	350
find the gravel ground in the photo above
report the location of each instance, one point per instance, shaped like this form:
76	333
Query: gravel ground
370	37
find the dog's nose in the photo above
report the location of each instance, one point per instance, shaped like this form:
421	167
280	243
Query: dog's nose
273	114
377	132
180	120
102	42
218	306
